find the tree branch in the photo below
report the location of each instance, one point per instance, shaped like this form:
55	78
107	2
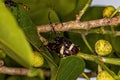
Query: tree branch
86	25
25	72
13	71
21	71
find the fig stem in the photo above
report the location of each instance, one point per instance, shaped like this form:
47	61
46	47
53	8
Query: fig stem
114	61
87	78
87	44
81	13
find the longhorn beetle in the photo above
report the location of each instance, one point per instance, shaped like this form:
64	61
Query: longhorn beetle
10	3
62	45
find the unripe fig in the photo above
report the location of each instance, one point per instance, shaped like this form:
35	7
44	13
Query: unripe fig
38	60
104	75
108	11
103	47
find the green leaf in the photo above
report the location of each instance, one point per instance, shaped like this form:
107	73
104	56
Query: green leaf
39	10
67	14
116	43
2	76
10	62
70	68
22	1
13	40
64	9
31	33
2	54
28	26
96	12
13	78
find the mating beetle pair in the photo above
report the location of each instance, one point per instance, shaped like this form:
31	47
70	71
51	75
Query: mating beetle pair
63	46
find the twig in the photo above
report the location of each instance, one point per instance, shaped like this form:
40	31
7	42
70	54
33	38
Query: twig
87	43
22	71
13	71
87	78
86	25
90	74
114	61
78	17
114	13
45	42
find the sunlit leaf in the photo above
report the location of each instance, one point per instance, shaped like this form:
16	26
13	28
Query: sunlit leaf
60	10
12	39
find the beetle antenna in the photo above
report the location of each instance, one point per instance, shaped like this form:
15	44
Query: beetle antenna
51	23
60	19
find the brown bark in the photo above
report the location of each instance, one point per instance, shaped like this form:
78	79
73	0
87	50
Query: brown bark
86	25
